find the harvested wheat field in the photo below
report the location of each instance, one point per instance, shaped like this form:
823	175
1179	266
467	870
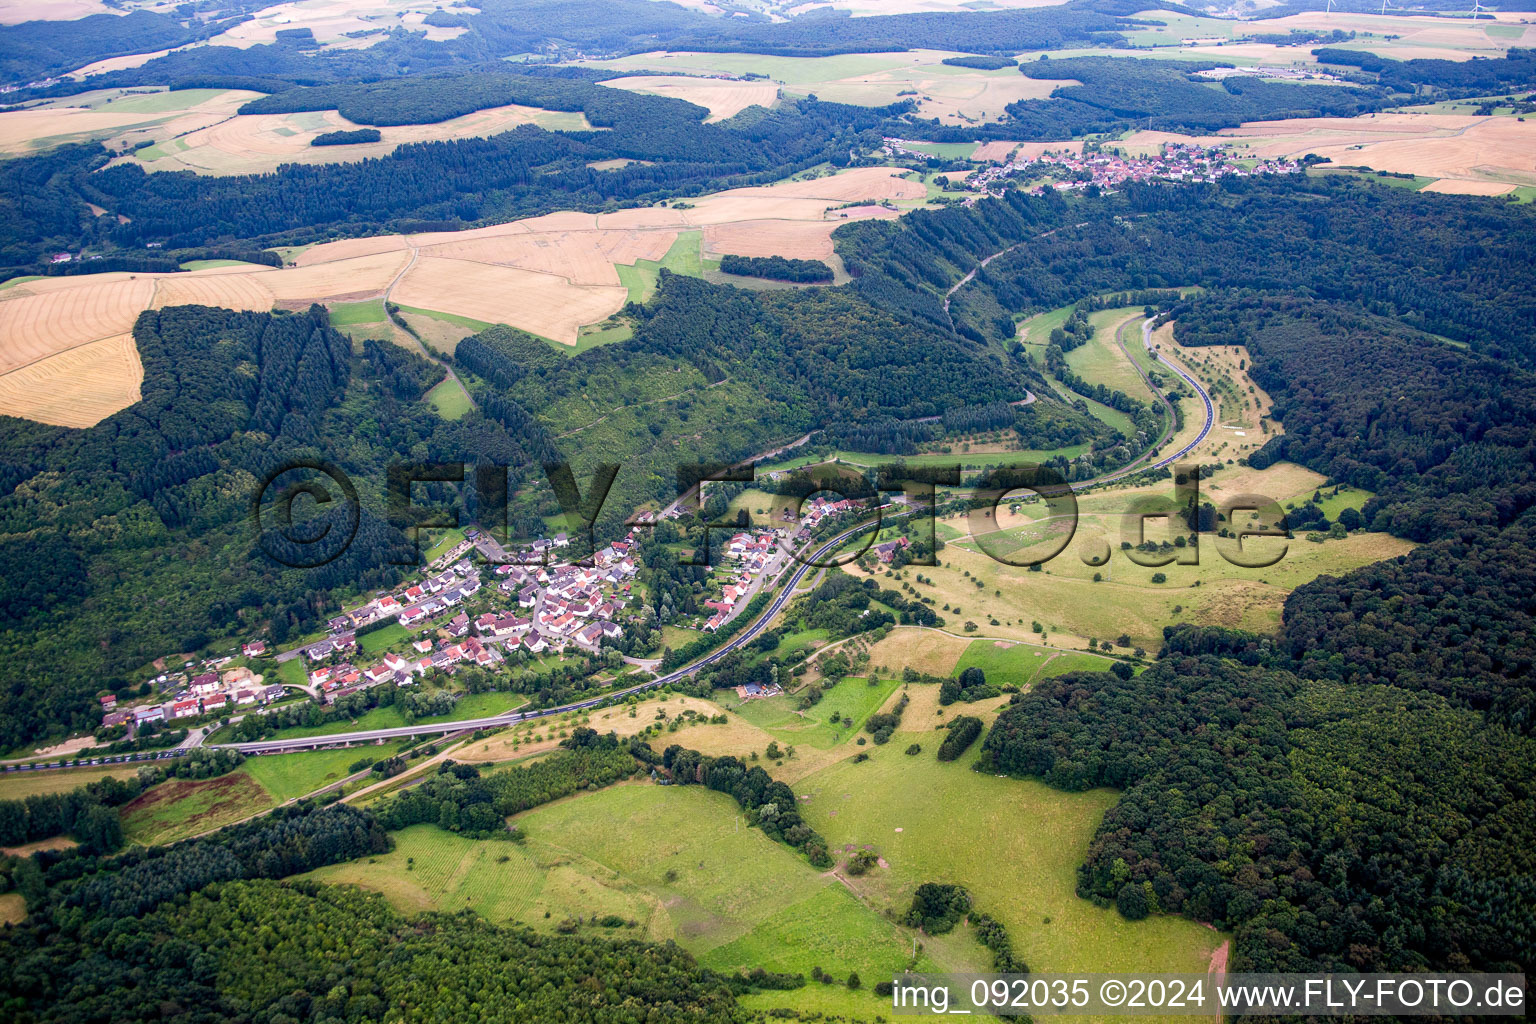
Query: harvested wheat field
349	248
330	20
723	97
253	143
1466	187
359	277
50	10
549	275
804	240
581	257
77	388
539	303
1428	37
115	118
231	291
35	326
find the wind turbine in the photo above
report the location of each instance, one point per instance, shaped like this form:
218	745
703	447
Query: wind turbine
1330	7
1477	8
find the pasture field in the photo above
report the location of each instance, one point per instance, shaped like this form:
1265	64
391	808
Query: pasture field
1006	663
678	862
1100	360
351	314
925	650
852	700
1003	600
474	705
287	777
965	460
450	399
179	808
944	822
20	785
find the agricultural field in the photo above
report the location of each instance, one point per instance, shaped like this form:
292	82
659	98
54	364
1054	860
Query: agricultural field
70	358
20	785
180	808
285	777
117	118
954	95
676	861
258	143
1006	663
1101	360
334	21
723	98
853	700
1004	601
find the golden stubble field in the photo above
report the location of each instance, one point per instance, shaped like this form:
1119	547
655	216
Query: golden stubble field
67	357
724	97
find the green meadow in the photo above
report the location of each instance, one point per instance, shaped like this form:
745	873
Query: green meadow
852	700
1022	664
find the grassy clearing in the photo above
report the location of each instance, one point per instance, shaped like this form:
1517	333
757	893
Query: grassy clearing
286	777
1100	359
179	808
1008	664
442	542
454	318
20	785
475	705
291	672
450	399
210	264
13	908
852	700
676	861
351	314
383	639
954	824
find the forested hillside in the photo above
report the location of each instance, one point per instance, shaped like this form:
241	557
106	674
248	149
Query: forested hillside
1442	268
1300	815
130	540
